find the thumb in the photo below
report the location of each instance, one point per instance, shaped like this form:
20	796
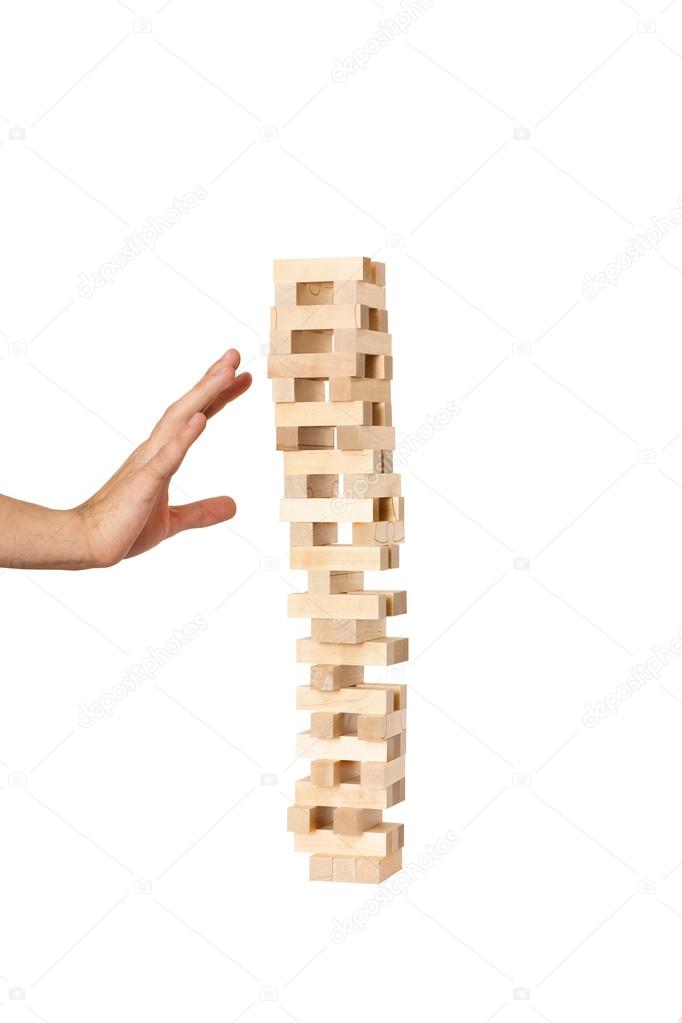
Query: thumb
208	512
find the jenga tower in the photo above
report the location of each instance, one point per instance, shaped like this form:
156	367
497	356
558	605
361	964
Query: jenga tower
331	367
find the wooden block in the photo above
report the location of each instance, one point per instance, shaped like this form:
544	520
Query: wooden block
382	414
298	390
320	868
382	774
379	367
378	320
340	268
309	535
303	487
301	819
359	389
348	747
381	533
374	871
349	793
285	294
324	365
356	438
336	605
322	317
363	484
346	630
359	293
386	651
349	820
324	725
365	698
323	413
367	342
305	438
344	868
328	773
300	342
380	840
378	274
314	509
380	726
396	601
315	293
344	557
329	678
329	582
332	462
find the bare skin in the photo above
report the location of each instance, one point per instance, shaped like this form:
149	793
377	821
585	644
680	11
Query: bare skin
130	514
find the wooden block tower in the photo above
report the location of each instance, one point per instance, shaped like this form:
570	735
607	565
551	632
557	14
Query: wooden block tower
331	368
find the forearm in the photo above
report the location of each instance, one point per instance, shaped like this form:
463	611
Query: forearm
35	537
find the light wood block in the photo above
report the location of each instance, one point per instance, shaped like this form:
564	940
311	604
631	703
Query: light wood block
348	794
328	582
348	747
380	840
328	773
309	535
384	534
298	390
325	365
355	869
362	484
319	317
366	698
305	438
349	820
382	774
363	389
346	630
313	509
337	605
334	461
321	868
302	819
359	293
323	413
380	726
374	871
382	652
300	342
341	268
345	557
367	342
329	678
356	438
324	725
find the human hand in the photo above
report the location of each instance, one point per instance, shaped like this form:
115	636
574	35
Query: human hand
131	513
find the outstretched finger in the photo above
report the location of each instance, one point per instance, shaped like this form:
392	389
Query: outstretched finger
241	384
158	470
218	377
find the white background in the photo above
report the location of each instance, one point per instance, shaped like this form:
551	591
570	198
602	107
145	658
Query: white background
561	899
